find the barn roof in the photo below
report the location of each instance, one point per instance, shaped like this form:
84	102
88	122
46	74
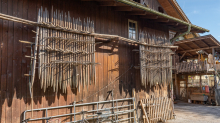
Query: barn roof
189	47
148	13
172	8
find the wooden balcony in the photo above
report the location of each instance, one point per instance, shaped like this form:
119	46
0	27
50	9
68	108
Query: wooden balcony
191	67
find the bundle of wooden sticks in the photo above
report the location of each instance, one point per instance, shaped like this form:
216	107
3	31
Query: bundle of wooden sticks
64	58
155	62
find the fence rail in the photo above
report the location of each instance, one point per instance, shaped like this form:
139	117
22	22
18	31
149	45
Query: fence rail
118	108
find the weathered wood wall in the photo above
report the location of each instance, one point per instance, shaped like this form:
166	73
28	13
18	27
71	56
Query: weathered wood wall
15	97
153	4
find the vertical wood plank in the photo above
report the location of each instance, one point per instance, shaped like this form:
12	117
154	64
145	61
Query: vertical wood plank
9	60
31	16
97	30
101	56
24	81
17	62
109	55
115	59
105	58
2	108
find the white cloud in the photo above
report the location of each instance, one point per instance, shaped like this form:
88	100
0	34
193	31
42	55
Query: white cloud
195	12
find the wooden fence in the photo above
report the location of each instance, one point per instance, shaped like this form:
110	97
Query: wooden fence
157	109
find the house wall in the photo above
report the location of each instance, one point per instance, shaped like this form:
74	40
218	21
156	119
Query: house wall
14	93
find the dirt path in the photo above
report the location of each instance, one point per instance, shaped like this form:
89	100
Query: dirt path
195	113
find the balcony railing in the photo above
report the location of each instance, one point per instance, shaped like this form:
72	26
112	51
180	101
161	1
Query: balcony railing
189	67
186	67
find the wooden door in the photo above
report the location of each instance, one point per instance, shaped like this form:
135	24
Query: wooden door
183	95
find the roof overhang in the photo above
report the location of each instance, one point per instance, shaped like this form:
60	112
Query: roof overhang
190	47
173	9
134	8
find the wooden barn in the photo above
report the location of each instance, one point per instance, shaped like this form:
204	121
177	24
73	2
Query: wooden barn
61	59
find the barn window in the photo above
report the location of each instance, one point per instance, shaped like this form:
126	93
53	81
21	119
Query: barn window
160	9
132	29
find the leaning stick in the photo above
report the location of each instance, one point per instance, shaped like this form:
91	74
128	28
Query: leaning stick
73	74
144	111
69	55
35	53
60	58
53	80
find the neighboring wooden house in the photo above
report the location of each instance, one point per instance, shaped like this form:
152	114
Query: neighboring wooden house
117	59
189	45
192	73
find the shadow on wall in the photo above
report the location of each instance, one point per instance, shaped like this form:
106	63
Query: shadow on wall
116	68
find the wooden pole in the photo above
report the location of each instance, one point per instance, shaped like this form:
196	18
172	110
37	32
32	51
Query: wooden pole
200	82
213	53
144	111
176	85
134	105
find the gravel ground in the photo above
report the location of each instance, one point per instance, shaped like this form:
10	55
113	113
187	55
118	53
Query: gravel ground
196	113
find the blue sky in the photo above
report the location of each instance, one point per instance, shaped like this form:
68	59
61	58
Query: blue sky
203	13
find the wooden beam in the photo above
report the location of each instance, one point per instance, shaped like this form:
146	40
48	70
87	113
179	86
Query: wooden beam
182	27
189	46
200	83
163	20
196	30
194	73
205	43
199	49
150	17
137	13
196	44
173	23
184	50
123	8
108	3
176	29
182	56
178	33
213	52
190	40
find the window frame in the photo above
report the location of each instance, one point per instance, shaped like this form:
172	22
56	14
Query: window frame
136	29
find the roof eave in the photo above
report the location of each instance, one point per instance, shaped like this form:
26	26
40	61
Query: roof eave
142	7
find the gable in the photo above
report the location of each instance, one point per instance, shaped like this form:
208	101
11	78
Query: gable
153	4
172	8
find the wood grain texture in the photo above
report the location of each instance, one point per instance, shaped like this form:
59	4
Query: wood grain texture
112	63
